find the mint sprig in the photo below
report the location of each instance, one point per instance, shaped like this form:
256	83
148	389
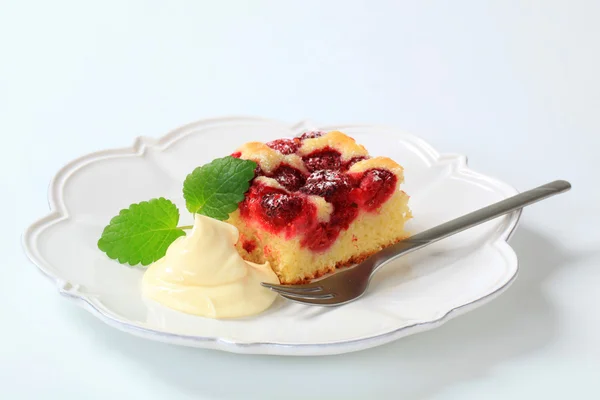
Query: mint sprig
215	189
142	233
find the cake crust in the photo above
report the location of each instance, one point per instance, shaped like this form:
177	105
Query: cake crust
353	260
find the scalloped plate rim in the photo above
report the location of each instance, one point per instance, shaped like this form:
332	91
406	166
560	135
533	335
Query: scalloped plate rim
58	212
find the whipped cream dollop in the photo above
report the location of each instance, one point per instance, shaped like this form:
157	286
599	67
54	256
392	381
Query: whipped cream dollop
203	274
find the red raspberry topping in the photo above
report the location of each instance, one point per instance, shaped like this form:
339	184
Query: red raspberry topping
276	210
328	184
353	161
321	237
237	154
289	212
248	245
289	177
377	185
311	135
343	214
284	146
281	209
258	170
325	159
253	195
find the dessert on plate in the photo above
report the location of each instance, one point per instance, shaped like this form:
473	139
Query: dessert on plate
318	202
286	211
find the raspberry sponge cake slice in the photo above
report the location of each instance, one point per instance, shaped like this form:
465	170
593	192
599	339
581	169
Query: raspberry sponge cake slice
318	202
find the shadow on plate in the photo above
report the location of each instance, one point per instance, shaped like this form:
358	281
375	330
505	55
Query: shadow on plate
518	322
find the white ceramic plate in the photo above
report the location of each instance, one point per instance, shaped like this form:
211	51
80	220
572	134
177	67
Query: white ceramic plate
419	292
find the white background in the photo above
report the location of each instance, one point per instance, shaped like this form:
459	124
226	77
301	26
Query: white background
512	84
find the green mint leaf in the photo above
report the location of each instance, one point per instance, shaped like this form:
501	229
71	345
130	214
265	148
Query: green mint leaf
141	233
216	188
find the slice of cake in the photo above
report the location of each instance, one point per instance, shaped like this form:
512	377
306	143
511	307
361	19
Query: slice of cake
318	202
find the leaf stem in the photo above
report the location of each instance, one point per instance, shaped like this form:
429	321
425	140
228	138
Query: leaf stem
185	227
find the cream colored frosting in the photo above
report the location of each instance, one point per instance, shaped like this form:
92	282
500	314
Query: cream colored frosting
203	274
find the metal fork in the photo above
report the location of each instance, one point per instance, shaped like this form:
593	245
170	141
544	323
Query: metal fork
349	284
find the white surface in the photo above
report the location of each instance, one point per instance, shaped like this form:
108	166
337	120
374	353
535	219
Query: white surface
494	80
413	294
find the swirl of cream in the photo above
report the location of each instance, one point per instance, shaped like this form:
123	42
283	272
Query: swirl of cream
203	274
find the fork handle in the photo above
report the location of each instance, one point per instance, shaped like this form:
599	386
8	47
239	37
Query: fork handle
468	221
